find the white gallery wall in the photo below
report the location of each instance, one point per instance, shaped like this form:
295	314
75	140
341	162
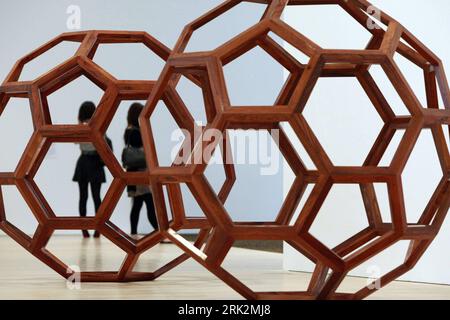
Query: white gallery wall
35	22
347	124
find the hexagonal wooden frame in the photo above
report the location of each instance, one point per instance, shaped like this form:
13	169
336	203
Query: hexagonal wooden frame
289	107
46	133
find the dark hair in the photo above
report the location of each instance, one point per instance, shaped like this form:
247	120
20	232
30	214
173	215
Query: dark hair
86	111
134	113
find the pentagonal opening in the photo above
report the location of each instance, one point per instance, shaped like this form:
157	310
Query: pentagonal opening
17	211
48	60
341	216
229	23
368	274
330	26
257	193
389	92
421	176
262	270
254	79
192	97
137	62
85	255
343	119
16	121
64	104
61	166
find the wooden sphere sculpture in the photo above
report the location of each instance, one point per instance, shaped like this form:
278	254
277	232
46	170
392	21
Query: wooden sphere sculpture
332	264
46	133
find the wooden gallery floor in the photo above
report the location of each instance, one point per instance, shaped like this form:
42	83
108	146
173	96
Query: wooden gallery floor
24	277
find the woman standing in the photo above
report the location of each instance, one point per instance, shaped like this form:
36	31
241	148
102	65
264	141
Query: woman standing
89	170
140	194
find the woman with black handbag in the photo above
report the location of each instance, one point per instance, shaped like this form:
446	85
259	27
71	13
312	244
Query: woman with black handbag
89	170
133	159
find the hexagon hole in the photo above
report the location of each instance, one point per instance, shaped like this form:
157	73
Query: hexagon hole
258	164
341	216
250	79
343	119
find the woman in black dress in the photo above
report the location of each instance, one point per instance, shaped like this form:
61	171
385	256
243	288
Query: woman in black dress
140	194
89	169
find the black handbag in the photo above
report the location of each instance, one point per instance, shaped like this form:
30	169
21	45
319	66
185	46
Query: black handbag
133	158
